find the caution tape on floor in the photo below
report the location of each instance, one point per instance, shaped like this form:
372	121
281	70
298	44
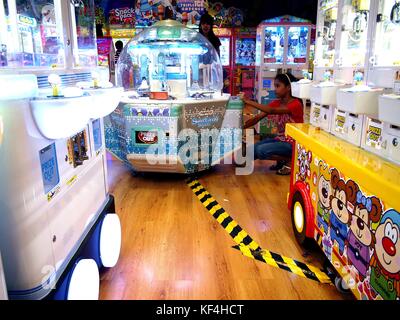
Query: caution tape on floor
245	243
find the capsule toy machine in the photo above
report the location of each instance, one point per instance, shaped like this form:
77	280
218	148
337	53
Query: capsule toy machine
244	58
322	90
282	45
58	225
346	199
357	100
382	133
172	77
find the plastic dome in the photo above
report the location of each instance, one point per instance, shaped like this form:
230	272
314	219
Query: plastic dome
170	57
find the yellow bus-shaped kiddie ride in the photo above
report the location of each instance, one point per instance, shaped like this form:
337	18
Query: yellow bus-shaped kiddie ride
348	200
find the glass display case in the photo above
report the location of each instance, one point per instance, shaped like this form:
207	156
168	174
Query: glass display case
225	51
172	59
85	50
297	45
245	52
326	34
387	44
354	32
31	34
274	45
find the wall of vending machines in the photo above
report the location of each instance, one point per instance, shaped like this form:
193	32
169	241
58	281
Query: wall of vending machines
58	218
238	59
355	92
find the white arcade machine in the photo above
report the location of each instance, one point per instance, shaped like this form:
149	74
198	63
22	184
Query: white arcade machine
322	91
358	100
282	45
382	133
58	225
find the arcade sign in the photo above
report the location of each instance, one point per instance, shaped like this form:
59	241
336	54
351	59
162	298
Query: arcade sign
27	21
122	16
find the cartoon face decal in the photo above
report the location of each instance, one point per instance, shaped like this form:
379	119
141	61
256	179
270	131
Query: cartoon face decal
361	237
343	197
324	197
342	205
387	246
304	162
367	211
385	262
324	187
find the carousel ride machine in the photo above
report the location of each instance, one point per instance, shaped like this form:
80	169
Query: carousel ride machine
346	178
173	116
58	225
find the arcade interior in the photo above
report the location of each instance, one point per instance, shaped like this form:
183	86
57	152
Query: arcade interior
142	159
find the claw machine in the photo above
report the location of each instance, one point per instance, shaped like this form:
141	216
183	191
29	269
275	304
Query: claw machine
226	36
58	226
357	101
382	132
283	45
344	195
244	60
322	90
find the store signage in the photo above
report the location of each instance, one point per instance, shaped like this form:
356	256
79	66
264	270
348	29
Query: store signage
317	112
122	33
191	5
269	60
146	137
340	121
122	16
374	135
300	60
28	21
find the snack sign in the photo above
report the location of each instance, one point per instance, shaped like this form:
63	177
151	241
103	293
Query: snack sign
122	16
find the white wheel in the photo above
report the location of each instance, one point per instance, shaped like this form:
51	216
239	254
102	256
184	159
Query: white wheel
110	240
85	281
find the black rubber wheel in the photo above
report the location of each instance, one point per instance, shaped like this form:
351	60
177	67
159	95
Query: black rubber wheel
340	285
299	220
330	270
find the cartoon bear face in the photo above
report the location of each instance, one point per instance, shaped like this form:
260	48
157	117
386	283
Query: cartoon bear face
343	198
387	246
324	192
361	220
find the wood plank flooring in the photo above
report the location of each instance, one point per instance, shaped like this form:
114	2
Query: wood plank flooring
173	249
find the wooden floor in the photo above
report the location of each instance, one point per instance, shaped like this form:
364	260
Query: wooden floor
173	249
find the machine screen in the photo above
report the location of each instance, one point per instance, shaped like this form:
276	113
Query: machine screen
245	52
30	34
225	51
274	44
326	35
146	137
387	44
98	142
48	163
353	43
297	45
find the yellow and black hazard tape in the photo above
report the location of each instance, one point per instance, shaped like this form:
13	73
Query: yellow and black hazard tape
223	218
247	245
